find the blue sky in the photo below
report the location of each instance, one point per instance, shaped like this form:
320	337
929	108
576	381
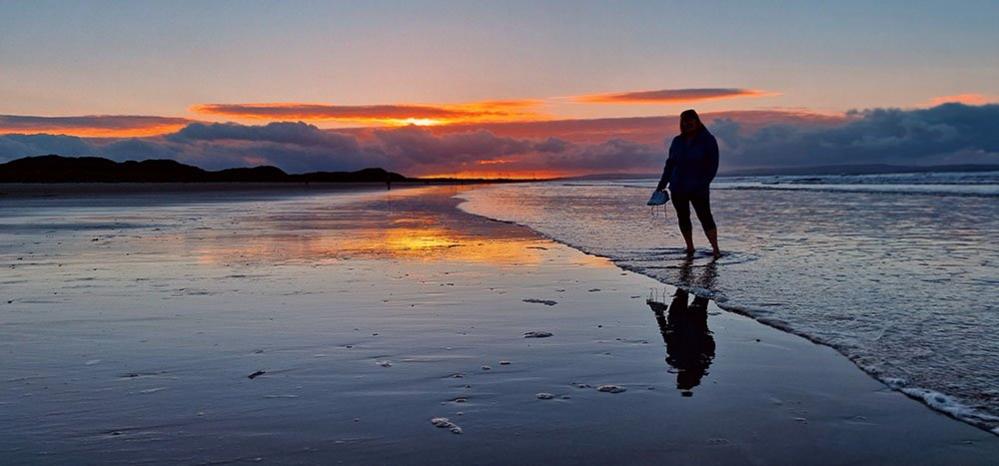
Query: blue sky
161	57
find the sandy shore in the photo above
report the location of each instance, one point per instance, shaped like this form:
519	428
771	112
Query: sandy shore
129	333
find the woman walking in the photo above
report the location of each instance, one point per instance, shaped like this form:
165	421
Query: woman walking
691	165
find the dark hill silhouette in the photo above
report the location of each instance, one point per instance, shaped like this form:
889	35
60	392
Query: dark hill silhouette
59	169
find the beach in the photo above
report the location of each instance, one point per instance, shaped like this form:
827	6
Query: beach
391	327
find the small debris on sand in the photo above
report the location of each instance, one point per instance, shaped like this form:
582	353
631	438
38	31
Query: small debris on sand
537	334
545	396
611	388
445	423
592	290
486	368
384	363
256	374
546	302
504	363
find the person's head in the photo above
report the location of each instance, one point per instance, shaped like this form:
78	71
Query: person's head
690	122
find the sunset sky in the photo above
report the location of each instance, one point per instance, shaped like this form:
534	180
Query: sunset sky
498	88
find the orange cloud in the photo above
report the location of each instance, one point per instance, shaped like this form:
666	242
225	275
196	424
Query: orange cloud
93	125
646	130
513	174
967	99
382	115
670	96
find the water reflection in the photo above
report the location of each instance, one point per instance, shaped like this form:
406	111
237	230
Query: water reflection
690	348
402	226
705	280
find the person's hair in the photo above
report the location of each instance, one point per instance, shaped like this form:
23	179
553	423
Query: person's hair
690	113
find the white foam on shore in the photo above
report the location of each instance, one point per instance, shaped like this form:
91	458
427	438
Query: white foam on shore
952	407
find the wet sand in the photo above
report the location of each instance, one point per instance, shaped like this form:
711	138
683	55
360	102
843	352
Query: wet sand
129	332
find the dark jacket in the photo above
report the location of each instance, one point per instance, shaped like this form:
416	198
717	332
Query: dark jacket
691	165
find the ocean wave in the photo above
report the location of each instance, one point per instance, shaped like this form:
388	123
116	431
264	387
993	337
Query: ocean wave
977	190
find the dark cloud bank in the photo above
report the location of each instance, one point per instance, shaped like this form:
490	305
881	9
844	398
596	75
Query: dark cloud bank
949	133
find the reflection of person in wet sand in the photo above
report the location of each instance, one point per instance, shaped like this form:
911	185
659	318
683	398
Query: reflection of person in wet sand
690	348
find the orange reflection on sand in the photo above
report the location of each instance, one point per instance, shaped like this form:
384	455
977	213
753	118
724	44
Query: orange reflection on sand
411	239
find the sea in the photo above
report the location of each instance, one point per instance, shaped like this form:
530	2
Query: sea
898	272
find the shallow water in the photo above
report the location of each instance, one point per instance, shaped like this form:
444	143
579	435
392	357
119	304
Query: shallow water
898	272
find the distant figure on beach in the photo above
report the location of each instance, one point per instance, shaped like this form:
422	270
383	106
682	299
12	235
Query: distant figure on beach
691	165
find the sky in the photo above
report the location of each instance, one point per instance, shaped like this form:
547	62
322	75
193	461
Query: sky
498	88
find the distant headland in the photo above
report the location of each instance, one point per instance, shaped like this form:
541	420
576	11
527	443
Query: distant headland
59	169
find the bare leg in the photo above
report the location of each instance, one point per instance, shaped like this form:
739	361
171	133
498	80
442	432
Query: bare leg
712	235
688	237
682	206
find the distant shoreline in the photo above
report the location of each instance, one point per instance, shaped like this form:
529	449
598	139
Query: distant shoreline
39	190
59	169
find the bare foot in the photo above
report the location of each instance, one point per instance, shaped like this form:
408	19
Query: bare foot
716	253
690	252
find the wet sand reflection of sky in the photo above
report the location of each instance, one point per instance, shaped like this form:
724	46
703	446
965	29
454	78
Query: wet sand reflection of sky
401	224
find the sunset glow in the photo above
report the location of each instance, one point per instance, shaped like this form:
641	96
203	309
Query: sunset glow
418	91
117	126
379	115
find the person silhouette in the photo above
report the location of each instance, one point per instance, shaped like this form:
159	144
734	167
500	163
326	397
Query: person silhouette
690	348
691	165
